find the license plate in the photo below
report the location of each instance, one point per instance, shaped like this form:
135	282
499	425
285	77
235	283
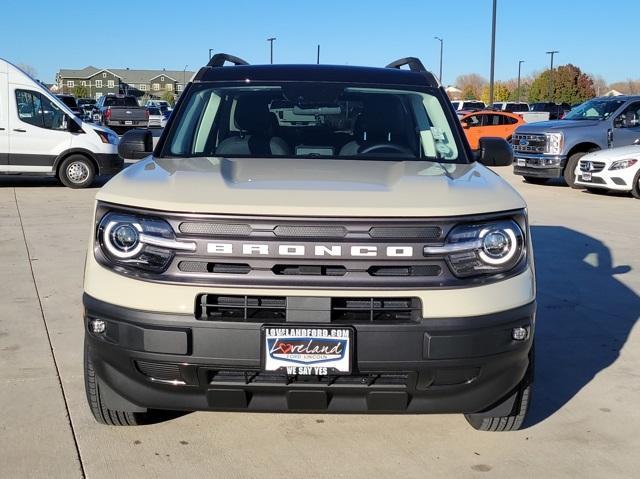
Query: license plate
307	350
586	176
128	122
521	162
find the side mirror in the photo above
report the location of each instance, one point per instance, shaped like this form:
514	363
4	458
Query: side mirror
135	145
72	125
495	152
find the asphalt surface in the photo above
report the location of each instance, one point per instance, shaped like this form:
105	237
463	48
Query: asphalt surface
584	420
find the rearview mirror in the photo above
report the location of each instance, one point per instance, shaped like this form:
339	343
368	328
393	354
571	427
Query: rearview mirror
135	145
495	152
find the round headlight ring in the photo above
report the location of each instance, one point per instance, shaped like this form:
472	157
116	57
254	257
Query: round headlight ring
498	245
122	239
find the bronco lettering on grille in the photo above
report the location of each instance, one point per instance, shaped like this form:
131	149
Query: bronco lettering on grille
253	249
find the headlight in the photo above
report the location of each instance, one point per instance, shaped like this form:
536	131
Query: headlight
138	242
483	248
554	143
622	164
108	137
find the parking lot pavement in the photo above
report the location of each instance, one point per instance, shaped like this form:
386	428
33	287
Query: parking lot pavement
584	418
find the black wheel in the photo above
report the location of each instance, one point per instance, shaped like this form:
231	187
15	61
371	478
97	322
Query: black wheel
635	189
515	419
535	180
570	170
99	407
77	171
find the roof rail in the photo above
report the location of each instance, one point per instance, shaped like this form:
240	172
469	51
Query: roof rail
414	64
219	60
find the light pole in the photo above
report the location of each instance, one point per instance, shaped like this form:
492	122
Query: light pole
184	79
493	52
318	55
552	53
271	40
519	70
210	51
441	47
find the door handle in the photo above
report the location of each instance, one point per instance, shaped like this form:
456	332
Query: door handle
1	129
20	130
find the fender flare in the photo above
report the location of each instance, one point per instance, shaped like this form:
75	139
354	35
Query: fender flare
82	151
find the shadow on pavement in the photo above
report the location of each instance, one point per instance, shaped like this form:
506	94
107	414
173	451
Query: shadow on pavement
34	181
585	315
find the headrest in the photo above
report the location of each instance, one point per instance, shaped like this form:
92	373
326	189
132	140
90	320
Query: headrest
252	113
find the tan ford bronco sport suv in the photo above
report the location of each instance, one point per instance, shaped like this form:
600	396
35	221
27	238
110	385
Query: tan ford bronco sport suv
310	238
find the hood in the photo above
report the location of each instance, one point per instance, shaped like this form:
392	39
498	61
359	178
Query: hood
549	126
614	154
311	187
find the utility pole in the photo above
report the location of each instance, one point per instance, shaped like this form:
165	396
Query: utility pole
271	40
210	52
519	70
441	47
552	53
318	55
493	52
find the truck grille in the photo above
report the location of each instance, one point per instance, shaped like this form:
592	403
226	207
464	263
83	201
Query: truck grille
592	166
526	143
250	377
269	309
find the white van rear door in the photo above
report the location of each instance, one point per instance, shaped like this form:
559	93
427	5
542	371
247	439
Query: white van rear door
37	133
4	123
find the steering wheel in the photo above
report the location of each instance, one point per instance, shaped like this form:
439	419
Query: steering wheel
390	147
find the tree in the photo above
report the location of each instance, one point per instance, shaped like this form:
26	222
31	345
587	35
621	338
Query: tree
471	85
629	87
80	91
169	97
28	69
570	85
599	84
500	92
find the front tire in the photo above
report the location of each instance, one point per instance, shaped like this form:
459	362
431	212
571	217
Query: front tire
570	170
515	419
635	189
535	180
77	171
100	408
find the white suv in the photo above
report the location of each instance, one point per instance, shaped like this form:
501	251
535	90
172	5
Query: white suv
617	169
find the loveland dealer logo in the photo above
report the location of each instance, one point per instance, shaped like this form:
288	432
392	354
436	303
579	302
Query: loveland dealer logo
307	351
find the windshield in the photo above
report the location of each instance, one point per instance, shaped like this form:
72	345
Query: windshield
120	101
594	110
323	120
69	101
154	111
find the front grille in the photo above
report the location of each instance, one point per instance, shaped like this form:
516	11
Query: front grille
594	180
287	231
213	307
355	310
266	309
308	270
592	166
425	232
250	377
215	268
532	143
426	270
215	229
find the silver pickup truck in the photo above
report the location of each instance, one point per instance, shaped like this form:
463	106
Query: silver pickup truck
121	113
552	149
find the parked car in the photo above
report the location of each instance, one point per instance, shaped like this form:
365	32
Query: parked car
491	123
71	103
553	149
468	105
120	112
40	135
617	169
510	106
87	105
159	103
556	110
368	261
157	119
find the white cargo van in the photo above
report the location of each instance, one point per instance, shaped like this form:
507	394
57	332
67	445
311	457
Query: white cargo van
40	135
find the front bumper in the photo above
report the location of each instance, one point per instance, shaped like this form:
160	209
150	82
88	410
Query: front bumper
606	180
438	365
538	165
108	163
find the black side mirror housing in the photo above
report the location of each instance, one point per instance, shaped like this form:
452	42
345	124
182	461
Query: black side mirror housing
73	126
135	145
495	152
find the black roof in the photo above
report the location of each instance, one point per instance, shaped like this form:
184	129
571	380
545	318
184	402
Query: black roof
316	73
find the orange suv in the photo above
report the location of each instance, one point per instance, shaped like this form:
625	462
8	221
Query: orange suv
489	123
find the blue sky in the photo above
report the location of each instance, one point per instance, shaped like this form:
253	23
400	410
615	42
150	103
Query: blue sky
597	36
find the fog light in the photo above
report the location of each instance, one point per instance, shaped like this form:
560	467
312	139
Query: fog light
97	326
519	334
